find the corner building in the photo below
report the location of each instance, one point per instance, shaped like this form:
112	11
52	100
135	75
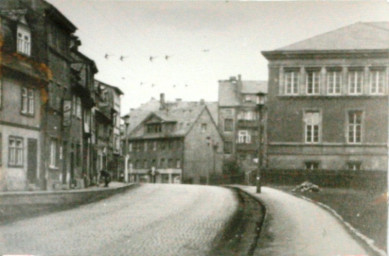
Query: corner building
328	101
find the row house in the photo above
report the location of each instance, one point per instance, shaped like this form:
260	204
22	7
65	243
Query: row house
107	128
172	142
47	121
328	100
239	119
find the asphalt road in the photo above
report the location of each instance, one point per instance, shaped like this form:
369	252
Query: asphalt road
150	220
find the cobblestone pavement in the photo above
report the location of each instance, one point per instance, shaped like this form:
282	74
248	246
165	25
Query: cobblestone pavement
154	219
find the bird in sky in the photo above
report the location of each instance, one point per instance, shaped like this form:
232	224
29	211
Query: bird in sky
108	55
152	85
123	78
174	86
186	85
205	50
141	83
151	58
167	57
123	57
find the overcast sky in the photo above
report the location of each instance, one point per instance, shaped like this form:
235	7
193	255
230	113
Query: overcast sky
206	41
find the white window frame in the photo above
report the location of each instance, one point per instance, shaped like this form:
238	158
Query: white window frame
16	148
31	101
244	137
312	128
23	40
53	153
334	82
353	127
377	81
178	163
355	76
315	75
154	146
310	165
291	81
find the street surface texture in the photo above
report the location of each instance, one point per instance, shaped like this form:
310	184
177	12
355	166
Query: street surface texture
294	226
154	219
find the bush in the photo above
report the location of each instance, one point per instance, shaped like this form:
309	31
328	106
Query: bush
232	171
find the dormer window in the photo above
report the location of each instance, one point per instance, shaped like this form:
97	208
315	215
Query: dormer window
23	36
154	128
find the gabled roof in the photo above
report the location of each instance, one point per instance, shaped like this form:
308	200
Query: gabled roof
184	116
357	36
182	112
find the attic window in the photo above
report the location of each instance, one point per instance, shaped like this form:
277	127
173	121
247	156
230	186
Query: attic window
23	35
154	128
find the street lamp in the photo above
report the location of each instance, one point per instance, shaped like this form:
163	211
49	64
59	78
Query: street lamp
261	100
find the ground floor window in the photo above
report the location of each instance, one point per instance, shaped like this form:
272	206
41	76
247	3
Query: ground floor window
311	165
53	152
354	166
15	157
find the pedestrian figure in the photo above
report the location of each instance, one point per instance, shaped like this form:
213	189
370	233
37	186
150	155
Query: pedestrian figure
106	176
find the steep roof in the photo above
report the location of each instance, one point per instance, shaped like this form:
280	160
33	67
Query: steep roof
182	112
183	116
357	36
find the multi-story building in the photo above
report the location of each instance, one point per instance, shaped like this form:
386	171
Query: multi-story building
328	100
239	120
107	127
22	91
176	143
52	93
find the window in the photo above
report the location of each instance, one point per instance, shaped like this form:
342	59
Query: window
354	166
130	147
228	125
178	163
354	126
23	40
170	163
291	78
145	146
145	164
1	93
153	128
312	120
203	128
153	163
228	147
311	165
334	79
1	150
27	101
154	146
53	153
313	81
162	163
377	78
15	157
355	80
162	144
246	115
244	137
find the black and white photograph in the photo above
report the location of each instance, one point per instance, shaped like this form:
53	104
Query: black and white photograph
194	128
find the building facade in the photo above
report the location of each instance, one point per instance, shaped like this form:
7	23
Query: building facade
239	120
328	101
176	143
107	128
49	138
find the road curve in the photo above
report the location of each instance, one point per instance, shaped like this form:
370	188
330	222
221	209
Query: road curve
153	219
300	228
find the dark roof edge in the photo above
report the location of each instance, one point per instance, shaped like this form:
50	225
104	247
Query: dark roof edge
276	54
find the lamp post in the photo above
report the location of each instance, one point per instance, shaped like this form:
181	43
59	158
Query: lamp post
261	100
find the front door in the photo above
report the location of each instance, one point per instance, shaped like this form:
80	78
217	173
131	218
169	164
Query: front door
32	157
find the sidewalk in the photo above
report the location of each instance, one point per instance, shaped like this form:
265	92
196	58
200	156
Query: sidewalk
297	227
15	205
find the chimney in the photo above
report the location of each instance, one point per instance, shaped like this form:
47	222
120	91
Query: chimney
202	102
162	101
178	100
239	77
